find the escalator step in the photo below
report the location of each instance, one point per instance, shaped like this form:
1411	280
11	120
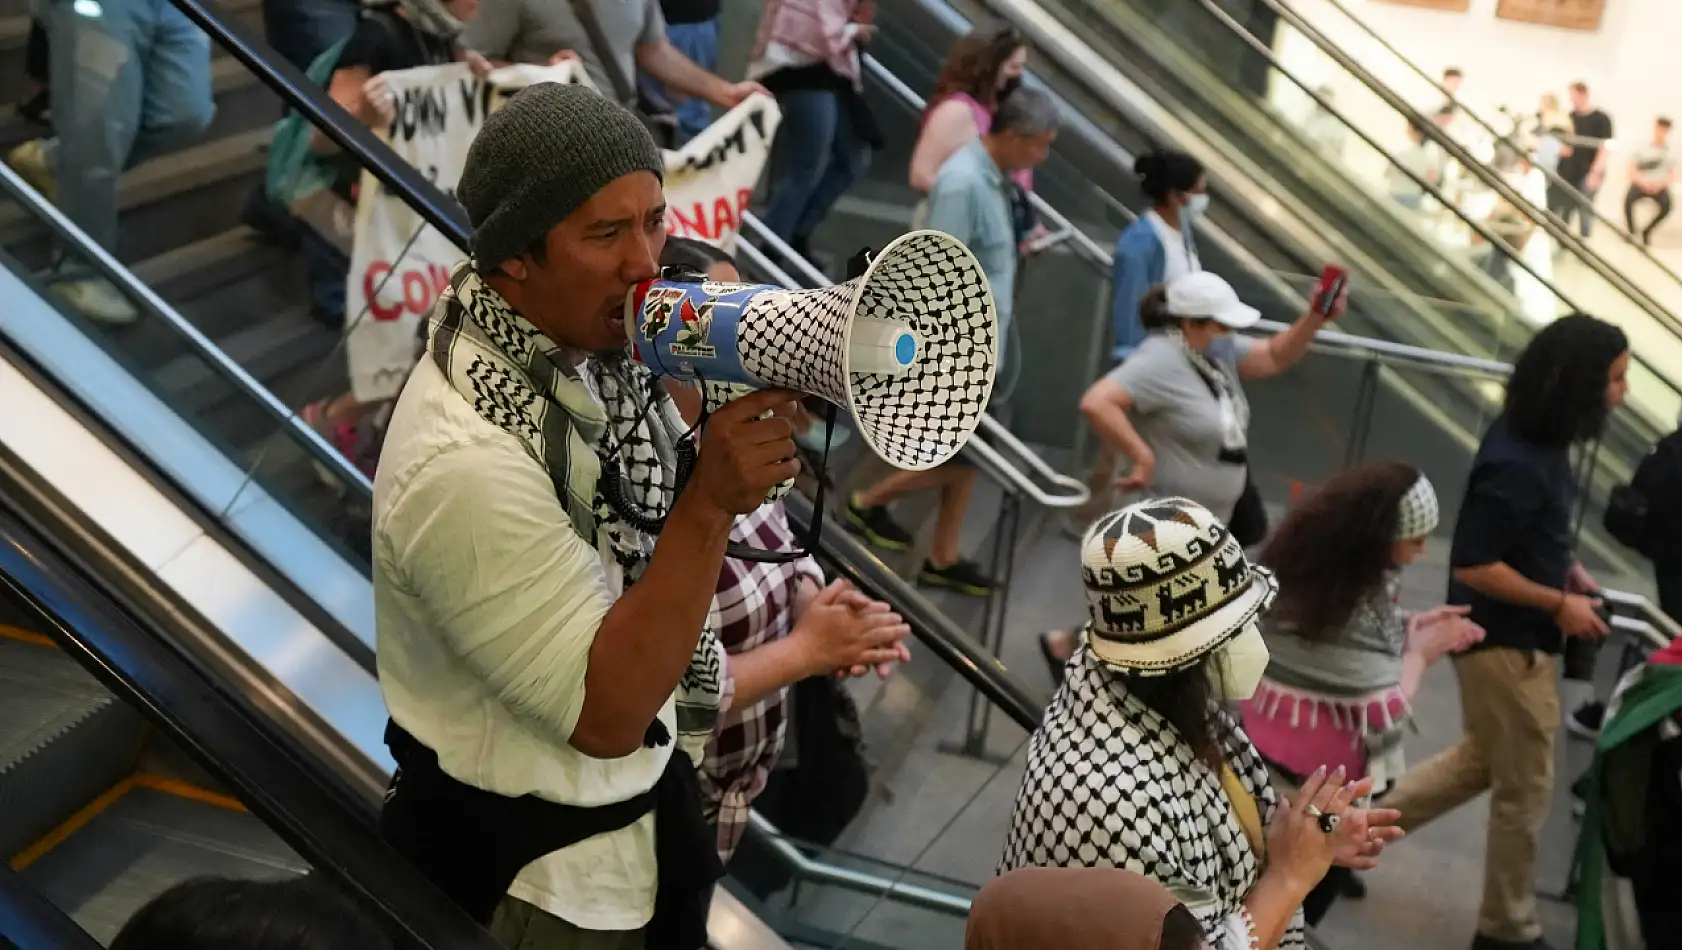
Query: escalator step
64	739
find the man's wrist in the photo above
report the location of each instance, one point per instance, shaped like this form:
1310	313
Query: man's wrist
709	519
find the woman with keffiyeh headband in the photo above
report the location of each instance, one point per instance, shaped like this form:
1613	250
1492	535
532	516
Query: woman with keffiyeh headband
1345	659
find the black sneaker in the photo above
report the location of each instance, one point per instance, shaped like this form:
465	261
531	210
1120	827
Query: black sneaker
963	576
875	525
1585	721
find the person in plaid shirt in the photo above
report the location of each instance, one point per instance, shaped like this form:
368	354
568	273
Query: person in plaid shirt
779	623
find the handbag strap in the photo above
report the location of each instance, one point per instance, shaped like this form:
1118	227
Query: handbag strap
586	14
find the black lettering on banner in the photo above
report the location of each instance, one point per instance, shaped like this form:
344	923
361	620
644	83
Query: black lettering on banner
421	111
471	93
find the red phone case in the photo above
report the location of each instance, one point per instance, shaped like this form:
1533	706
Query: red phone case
1332	281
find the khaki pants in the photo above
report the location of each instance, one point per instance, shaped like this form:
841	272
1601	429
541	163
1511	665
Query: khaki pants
518	925
1509	700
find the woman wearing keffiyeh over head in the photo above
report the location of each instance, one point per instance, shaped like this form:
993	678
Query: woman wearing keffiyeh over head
1137	764
1345	659
551	670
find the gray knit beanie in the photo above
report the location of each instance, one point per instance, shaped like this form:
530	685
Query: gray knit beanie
538	158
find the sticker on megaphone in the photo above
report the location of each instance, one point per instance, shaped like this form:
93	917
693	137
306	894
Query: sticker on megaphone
909	349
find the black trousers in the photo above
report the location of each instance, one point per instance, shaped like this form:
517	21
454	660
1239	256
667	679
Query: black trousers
1634	196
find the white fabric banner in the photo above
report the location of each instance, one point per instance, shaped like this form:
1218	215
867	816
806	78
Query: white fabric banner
399	265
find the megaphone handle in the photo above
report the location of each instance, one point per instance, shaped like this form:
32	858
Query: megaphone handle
814	533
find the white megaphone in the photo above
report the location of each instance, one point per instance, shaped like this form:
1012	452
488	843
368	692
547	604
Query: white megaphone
909	348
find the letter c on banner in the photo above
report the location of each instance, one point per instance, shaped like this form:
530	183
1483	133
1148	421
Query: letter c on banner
377	273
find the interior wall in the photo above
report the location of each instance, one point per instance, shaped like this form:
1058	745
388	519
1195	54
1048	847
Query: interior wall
1630	63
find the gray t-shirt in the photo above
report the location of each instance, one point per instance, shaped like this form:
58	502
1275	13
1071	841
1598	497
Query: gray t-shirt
1180	419
1653	163
531	31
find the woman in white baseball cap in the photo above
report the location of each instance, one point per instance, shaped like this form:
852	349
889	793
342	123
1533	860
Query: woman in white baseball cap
1176	406
1138	765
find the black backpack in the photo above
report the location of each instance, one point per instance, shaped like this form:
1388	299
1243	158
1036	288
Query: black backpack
1643	514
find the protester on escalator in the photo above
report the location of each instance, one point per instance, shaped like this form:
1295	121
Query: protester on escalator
390	35
968	202
1513	564
1080	909
981	69
779	622
1158	247
1176	406
552	670
210	913
132	82
1138	765
807	54
1345	660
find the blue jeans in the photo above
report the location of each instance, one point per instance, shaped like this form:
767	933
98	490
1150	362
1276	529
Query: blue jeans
699	42
821	158
301	30
146	92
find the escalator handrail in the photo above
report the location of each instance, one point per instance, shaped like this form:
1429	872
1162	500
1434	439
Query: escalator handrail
1506	138
1541	217
145	670
29	921
847	556
68	233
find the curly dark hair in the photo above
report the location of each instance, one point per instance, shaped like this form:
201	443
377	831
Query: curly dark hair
1163	173
1333	550
1557	394
972	67
1187	699
226	914
1181	930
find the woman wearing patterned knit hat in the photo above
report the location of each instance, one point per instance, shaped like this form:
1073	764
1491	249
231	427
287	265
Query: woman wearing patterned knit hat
1346	660
1138	765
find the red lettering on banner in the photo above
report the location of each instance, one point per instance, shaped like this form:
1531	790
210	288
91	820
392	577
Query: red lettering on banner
677	224
724	218
420	289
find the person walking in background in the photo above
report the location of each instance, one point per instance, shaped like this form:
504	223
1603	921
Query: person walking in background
1176	406
1583	168
981	69
632	31
1079	909
1512	564
1157	248
1423	160
692	27
1345	660
807	54
1652	171
969	202
149	95
1138	765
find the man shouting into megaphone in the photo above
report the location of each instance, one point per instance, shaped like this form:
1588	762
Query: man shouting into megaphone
550	667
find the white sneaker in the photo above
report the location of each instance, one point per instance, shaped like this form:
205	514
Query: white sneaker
30	161
97	298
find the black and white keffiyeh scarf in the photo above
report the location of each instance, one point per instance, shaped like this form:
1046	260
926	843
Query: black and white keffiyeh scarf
520	381
1110	783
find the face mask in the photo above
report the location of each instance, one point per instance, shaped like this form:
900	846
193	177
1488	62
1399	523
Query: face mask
1196	205
1243	661
1010	86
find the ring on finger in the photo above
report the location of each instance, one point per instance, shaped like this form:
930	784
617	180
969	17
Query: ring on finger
1312	811
1329	823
